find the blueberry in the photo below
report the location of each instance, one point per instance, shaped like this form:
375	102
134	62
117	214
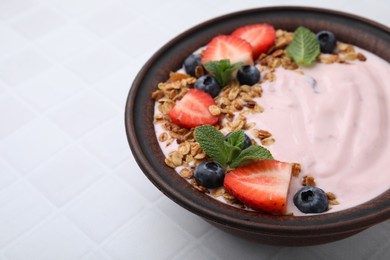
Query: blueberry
191	62
208	84
310	199
248	75
327	41
247	141
209	174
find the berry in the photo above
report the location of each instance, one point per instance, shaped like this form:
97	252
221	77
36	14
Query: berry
247	141
260	36
310	199
228	47
209	174
248	75
262	185
191	62
193	110
327	41
208	84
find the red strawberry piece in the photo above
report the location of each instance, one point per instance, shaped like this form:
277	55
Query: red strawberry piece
193	110
260	36
228	47
262	185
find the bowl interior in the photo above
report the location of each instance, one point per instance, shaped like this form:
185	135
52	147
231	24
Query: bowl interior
143	142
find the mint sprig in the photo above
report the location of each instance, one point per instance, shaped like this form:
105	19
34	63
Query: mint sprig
212	143
228	153
222	70
251	153
304	48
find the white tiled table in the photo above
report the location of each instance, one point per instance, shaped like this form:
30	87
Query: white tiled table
69	187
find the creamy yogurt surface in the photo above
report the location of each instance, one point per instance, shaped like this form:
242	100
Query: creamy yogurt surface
333	119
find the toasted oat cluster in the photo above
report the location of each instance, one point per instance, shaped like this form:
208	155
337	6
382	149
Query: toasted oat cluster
232	106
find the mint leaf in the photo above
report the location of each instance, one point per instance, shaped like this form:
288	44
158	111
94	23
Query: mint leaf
213	143
237	139
233	151
230	152
251	153
222	70
304	48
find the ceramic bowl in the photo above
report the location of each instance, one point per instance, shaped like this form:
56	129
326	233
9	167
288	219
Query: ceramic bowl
268	229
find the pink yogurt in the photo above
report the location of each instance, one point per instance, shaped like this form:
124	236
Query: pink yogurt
334	121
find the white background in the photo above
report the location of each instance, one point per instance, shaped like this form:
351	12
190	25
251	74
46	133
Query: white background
69	186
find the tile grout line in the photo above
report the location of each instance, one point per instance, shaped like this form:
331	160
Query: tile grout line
37	225
72	142
148	205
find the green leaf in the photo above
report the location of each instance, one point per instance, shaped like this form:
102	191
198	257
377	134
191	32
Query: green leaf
251	153
304	48
222	70
212	143
237	139
228	153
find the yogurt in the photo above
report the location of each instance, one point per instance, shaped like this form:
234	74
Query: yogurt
333	119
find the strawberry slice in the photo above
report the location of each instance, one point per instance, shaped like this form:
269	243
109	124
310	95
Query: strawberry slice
261	37
262	185
228	47
193	110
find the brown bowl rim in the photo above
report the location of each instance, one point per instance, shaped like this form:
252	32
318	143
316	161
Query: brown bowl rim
357	218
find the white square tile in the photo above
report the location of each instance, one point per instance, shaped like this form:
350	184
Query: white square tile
21	207
2	88
195	253
58	239
227	246
31	144
359	246
50	87
139	38
8	174
98	63
188	221
117	85
111	18
67	41
13	114
104	208
83	113
77	7
173	16
22	66
146	6
132	174
66	175
38	23
10	8
109	143
97	255
302	252
150	236
10	40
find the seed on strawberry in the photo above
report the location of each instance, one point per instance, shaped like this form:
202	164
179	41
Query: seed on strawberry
193	110
261	185
228	47
260	36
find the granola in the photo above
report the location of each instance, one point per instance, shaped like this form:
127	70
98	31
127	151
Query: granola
232	107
